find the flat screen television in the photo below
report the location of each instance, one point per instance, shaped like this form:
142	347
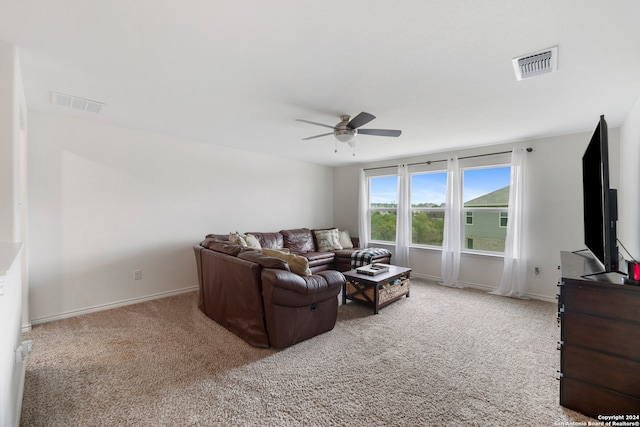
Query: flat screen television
600	201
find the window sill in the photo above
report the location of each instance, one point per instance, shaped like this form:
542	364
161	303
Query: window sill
463	252
439	249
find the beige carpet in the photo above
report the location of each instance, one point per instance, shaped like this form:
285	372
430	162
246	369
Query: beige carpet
441	357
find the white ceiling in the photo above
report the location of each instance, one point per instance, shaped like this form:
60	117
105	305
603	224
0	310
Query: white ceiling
238	73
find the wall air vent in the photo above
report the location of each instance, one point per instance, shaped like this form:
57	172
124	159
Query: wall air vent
77	103
537	63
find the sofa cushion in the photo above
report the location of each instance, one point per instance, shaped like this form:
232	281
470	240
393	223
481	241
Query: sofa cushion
327	240
269	240
297	264
345	253
299	240
315	256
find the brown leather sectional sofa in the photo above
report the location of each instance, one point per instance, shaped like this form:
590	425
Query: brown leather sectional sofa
259	299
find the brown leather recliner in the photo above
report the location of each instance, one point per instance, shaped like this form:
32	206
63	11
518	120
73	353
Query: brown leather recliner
259	299
297	308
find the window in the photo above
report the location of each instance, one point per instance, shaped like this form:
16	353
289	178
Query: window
383	207
484	216
428	195
503	219
485	195
469	218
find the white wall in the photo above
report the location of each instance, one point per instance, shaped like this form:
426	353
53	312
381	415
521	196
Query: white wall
629	189
105	201
554	200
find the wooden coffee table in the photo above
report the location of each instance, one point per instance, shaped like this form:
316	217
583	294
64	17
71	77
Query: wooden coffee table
379	290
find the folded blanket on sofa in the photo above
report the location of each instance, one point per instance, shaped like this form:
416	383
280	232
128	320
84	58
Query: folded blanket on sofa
365	256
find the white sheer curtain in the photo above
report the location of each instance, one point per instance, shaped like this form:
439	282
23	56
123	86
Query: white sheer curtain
452	224
403	224
363	211
514	275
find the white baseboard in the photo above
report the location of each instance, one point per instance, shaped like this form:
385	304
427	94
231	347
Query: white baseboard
482	287
108	306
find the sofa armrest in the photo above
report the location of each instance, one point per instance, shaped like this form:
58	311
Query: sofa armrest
285	283
264	261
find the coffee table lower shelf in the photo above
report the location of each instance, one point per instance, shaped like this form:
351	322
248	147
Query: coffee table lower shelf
377	291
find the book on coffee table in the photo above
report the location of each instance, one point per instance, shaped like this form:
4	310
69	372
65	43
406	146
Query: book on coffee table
372	269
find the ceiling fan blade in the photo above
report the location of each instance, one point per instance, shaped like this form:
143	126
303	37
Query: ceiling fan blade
380	132
314	123
360	120
317	136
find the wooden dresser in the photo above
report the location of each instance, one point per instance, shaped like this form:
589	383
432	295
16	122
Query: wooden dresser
599	339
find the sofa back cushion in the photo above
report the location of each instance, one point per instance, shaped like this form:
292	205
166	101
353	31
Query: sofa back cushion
269	240
299	240
218	237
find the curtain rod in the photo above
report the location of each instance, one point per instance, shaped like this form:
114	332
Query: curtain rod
428	162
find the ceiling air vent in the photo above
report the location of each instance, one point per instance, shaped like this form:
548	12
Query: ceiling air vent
534	64
75	102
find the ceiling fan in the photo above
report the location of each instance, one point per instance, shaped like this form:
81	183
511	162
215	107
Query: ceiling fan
347	129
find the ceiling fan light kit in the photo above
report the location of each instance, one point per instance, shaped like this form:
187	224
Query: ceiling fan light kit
344	133
346	130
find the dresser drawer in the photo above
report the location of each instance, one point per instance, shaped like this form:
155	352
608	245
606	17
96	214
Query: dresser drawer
593	401
600	369
621	303
609	336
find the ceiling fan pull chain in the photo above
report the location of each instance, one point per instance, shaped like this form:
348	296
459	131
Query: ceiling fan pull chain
335	146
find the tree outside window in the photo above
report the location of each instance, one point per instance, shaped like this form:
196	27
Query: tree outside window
383	208
428	195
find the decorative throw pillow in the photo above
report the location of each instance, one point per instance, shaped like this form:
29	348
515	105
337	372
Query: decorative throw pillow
245	240
328	240
297	264
238	239
252	241
345	239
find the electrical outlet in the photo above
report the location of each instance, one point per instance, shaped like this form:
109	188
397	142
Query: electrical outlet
536	270
137	274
